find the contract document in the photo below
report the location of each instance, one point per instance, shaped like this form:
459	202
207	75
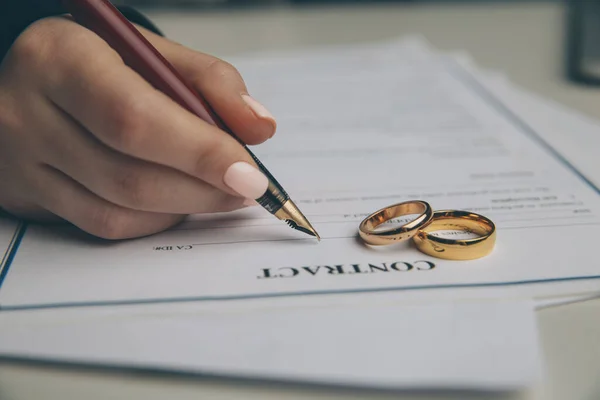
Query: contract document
355	134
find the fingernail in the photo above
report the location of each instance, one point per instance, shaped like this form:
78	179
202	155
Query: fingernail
259	110
250	203
246	180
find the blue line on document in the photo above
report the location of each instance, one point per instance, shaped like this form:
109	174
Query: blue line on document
287	294
11	252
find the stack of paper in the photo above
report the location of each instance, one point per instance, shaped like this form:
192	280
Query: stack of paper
360	127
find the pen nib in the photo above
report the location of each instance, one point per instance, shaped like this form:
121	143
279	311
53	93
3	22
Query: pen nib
308	230
290	213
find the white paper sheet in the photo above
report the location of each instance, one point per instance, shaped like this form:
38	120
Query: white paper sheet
377	133
484	346
9	238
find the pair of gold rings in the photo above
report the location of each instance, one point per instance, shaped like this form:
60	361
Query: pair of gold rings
420	230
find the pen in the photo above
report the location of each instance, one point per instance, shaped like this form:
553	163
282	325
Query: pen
106	21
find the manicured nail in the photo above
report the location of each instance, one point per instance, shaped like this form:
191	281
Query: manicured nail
260	111
246	180
250	203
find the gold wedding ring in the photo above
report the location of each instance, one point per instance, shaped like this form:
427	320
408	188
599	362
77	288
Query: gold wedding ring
457	249
382	237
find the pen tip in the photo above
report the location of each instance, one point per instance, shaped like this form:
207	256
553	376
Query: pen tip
315	234
308	229
290	213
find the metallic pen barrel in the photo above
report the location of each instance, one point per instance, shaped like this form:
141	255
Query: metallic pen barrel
277	202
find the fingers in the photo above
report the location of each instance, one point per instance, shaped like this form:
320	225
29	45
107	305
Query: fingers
223	87
94	215
126	181
129	115
90	142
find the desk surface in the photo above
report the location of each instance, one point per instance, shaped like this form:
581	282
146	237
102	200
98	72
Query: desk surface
523	40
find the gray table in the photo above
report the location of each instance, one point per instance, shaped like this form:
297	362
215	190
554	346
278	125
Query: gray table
523	40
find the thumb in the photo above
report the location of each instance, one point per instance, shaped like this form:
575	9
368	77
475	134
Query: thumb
222	86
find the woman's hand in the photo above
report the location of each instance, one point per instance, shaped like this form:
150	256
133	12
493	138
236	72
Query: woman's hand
85	139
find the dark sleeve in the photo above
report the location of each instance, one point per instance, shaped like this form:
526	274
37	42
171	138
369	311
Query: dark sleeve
17	15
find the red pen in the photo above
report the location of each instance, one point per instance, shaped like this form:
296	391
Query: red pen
101	17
